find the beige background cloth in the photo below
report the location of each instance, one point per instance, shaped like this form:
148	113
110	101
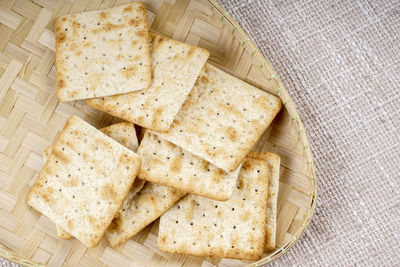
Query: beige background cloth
340	61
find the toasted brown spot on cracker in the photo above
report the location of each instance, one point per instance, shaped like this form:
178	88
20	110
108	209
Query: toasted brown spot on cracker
142	33
127	9
134	22
60	83
75	24
129	72
191	52
47	195
108	193
61	37
176	164
104	15
60	157
70	224
204	79
231	133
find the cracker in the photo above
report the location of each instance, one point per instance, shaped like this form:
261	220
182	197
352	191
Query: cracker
234	228
273	188
176	66
167	164
222	118
102	53
84	181
125	134
145	207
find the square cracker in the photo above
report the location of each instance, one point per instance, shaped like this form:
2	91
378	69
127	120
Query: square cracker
84	181
234	228
167	164
144	208
102	53
272	203
222	118
176	66
125	134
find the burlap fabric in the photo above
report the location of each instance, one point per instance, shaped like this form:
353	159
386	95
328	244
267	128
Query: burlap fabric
340	61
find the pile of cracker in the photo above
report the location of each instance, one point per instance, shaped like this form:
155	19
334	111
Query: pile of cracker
193	167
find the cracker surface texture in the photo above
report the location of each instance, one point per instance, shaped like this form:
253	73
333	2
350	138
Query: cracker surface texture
234	228
167	164
272	203
176	66
222	118
102	53
84	181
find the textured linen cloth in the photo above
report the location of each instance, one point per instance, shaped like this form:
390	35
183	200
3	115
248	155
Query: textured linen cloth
340	62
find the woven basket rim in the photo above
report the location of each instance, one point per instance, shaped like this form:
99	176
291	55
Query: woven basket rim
269	72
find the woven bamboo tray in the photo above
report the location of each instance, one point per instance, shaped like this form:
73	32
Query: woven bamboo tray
31	117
